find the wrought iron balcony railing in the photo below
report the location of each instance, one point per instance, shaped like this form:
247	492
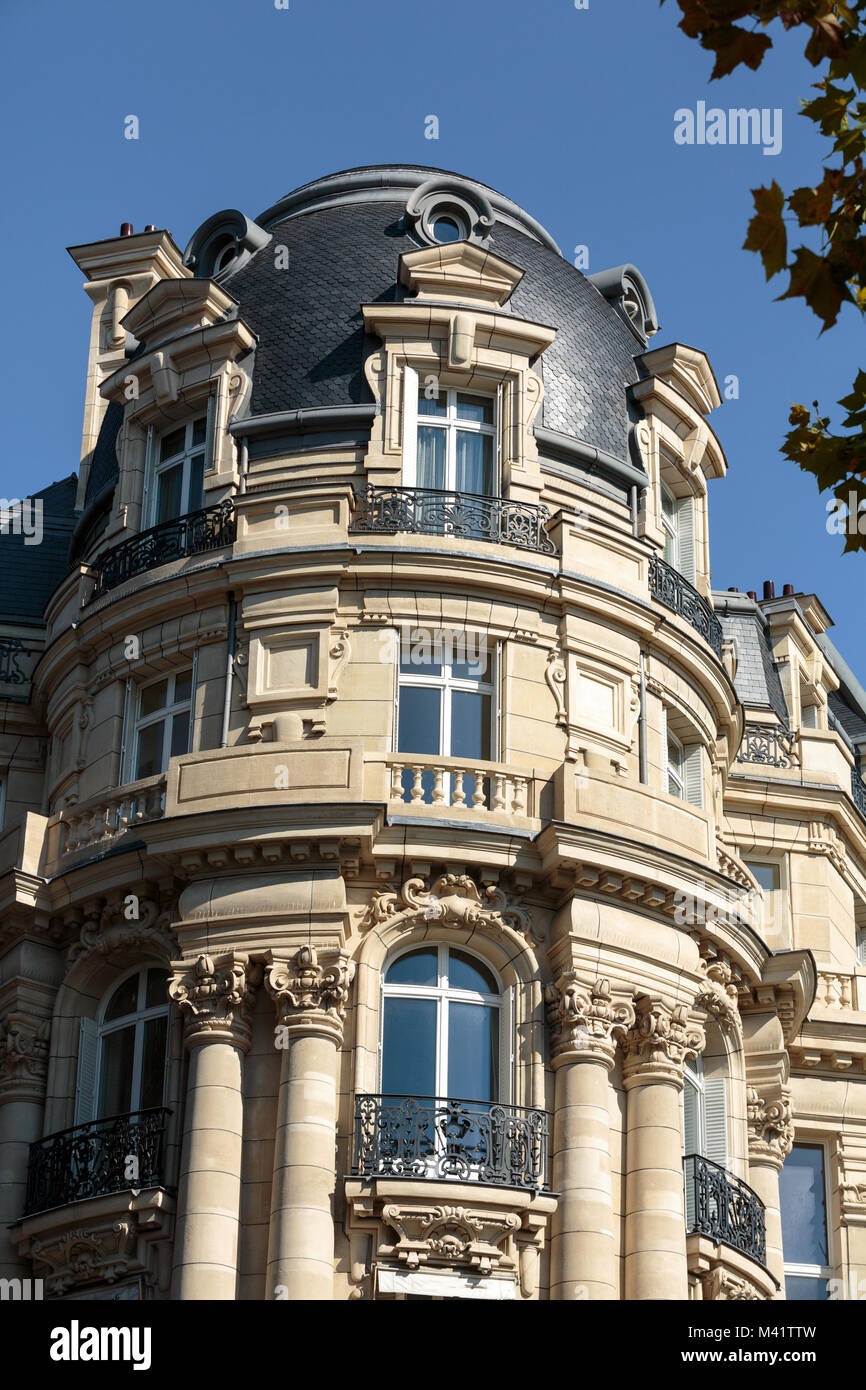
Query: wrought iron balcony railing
718	1205
429	511
193	534
668	586
464	1140
768	745
858	791
95	1159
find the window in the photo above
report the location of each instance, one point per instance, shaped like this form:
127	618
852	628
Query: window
683	768
162	723
122	1059
446	229
450	440
803	1199
678	524
705	1125
177	482
769	879
861	945
445	708
441	1027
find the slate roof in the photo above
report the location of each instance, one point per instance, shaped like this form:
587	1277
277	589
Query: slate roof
757	681
852	720
103	467
29	574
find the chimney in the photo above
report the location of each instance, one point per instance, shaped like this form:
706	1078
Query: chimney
750	593
769	589
733	589
150	227
788	591
126	229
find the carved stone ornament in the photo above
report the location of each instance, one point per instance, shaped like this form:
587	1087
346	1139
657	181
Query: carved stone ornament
556	676
131	1243
23	1054
216	996
719	995
720	1286
771	1127
454	900
127	923
450	1235
311	996
660	1041
585	1018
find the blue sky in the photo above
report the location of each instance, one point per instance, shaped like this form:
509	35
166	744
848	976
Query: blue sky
570	112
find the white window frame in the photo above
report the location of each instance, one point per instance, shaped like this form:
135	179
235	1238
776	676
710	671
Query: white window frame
809	1271
779	905
450	423
680	551
687	772
155	466
141	1016
675	772
171	708
443	995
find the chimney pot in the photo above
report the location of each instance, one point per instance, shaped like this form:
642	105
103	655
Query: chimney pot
769	589
733	589
788	591
126	229
150	227
750	593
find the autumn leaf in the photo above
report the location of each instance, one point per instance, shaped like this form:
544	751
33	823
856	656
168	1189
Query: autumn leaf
766	232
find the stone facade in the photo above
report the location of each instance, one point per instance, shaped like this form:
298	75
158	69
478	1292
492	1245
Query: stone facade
256	887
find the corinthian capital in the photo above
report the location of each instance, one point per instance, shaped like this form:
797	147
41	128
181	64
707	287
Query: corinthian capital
23	1055
215	997
311	997
771	1127
585	1019
660	1042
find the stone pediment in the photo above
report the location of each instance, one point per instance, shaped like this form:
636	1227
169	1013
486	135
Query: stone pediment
460	271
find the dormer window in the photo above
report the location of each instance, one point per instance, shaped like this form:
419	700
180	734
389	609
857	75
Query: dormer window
455	443
678	524
177	482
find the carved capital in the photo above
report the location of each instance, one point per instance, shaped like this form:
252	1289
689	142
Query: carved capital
771	1127
23	1056
585	1020
660	1042
311	996
216	997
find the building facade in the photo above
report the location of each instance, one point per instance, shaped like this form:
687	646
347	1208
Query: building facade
415	882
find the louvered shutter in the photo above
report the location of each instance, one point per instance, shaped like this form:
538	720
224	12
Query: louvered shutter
692	775
686	538
692	1104
715	1121
149	466
410	426
506	1047
126	736
85	1082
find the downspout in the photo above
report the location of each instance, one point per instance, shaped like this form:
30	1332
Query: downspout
242	480
632	498
230	670
642	747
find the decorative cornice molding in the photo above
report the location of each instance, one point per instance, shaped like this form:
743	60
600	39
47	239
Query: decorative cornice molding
453	900
585	1020
770	1126
216	997
659	1042
311	997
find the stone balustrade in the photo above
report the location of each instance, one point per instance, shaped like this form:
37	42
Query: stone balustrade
461	784
111	814
836	991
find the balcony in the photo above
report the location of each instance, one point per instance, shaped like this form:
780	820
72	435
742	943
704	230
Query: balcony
723	1208
463	786
436	1139
193	534
667	586
769	746
93	1160
95	824
464	515
858	791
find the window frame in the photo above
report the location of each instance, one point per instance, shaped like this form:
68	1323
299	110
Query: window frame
793	1268
137	1020
451	424
166	714
156	466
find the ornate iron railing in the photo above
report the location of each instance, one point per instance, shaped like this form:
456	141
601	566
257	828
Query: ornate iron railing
668	586
718	1205
429	511
193	534
96	1159
435	1138
768	745
858	790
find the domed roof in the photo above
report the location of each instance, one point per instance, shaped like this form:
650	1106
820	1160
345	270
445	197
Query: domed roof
344	235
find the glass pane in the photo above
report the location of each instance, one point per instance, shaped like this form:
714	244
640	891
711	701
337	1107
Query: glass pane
478	408
115	1085
152	698
473	1049
172	444
123	1001
199	430
466	972
470	724
802	1287
418	729
153	1062
476	665
446	230
431	457
409	1047
766	874
179	734
155	991
431	404
475	463
804	1219
675	788
196	483
182	686
169	493
419	652
150	741
415	968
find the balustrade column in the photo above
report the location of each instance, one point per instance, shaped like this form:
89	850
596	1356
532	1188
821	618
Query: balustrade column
584	1022
656	1049
311	1008
216	998
771	1138
23	1069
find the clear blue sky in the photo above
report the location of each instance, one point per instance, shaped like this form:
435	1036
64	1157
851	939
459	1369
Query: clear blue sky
569	112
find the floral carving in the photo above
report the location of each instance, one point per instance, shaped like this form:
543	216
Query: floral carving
310	995
114	929
661	1039
585	1018
453	900
451	1235
23	1053
720	1286
718	994
216	996
771	1127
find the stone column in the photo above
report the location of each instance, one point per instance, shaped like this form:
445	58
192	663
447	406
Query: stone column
311	1008
584	1022
23	1070
771	1138
215	997
655	1227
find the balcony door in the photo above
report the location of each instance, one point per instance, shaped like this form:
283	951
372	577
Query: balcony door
446	708
122	1058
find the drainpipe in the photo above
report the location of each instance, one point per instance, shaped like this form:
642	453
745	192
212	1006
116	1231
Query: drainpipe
632	499
242	480
230	670
642	748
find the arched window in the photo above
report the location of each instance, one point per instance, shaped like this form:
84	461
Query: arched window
122	1058
705	1126
444	1030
